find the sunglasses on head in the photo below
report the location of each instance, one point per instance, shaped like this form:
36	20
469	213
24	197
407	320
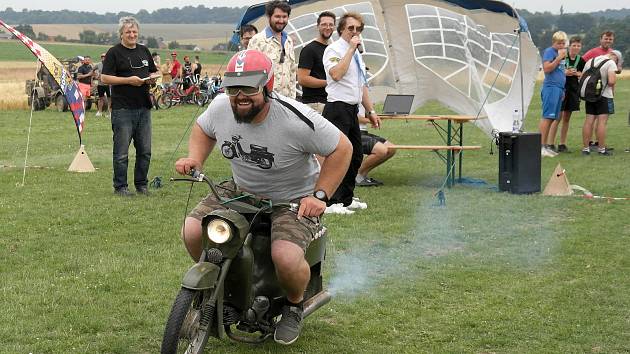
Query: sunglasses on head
355	28
233	91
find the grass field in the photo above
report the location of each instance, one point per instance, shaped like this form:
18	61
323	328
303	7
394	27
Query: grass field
87	272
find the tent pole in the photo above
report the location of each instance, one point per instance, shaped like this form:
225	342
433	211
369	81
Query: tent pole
520	69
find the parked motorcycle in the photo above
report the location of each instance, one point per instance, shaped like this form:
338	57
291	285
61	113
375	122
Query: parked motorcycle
210	88
257	154
233	290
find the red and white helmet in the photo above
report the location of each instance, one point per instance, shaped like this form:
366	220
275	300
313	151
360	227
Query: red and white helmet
249	68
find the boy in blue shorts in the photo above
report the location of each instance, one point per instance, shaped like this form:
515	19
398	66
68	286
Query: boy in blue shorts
552	92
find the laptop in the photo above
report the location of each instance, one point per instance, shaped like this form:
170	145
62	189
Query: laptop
397	105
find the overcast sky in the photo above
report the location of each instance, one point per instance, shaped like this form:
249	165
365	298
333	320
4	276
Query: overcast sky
150	5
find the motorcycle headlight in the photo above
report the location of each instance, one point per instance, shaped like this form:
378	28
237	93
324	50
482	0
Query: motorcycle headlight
219	231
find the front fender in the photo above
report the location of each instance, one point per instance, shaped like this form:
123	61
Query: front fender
201	276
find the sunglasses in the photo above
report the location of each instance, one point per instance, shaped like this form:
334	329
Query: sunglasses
282	56
233	91
355	28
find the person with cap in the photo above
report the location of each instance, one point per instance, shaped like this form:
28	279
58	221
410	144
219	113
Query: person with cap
605	106
176	67
129	69
346	88
292	133
276	43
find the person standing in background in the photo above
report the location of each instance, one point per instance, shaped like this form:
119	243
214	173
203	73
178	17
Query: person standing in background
552	93
128	67
346	88
275	42
606	41
246	33
601	109
102	89
176	67
310	73
571	102
197	69
84	76
166	71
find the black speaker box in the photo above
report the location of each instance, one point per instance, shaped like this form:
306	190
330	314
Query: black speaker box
519	162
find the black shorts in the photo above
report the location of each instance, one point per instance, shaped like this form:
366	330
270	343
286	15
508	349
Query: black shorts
603	106
369	140
103	90
571	101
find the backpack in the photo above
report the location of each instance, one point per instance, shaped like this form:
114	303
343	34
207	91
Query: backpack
590	84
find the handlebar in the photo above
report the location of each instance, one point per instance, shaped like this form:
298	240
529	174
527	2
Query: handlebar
197	176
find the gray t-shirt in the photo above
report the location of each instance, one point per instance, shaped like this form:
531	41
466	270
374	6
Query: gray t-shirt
273	159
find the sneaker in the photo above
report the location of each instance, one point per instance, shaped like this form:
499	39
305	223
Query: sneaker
544	152
289	326
338	209
627	149
551	148
357	204
562	148
378	183
586	151
366	182
123	192
98	114
604	152
142	190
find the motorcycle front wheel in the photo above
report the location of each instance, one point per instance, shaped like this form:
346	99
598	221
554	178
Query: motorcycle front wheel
183	333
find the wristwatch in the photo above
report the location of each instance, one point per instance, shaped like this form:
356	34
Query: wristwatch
372	112
321	195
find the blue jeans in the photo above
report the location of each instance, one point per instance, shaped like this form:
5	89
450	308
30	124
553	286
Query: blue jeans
128	124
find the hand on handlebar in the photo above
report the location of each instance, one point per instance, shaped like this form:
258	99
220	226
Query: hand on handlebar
311	206
185	165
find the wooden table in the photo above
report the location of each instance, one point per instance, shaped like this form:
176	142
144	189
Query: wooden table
453	137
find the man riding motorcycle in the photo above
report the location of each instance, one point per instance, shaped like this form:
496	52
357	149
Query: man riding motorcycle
293	133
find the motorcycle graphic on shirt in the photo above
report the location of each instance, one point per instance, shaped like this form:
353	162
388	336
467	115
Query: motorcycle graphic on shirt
258	155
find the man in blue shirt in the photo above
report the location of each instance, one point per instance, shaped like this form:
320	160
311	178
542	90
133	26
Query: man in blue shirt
552	92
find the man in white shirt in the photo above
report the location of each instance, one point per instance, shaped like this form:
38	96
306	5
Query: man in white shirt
346	87
605	106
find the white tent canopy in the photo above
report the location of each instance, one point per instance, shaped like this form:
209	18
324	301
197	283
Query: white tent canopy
469	59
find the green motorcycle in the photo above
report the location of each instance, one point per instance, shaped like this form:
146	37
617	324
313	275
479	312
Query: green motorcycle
232	291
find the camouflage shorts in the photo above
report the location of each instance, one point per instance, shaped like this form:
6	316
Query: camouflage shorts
284	223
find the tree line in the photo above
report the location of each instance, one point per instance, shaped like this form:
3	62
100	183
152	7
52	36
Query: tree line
589	26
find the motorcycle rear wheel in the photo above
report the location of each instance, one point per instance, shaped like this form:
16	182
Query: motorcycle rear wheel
162	101
182	333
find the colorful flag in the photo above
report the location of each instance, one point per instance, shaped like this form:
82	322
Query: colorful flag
61	76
